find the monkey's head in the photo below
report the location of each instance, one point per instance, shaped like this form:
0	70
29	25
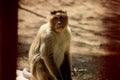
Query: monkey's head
58	20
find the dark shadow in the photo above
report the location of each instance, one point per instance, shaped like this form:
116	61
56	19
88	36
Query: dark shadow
110	65
8	39
95	67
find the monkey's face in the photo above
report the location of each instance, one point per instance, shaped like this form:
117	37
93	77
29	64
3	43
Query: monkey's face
59	21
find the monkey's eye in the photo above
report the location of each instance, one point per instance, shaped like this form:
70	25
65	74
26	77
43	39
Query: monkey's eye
60	17
56	18
54	12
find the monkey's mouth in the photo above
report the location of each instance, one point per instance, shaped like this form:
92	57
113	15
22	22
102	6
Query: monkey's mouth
59	27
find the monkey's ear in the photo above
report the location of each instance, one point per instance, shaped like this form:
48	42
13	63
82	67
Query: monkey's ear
53	12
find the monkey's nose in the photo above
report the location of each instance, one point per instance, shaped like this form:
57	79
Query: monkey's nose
59	22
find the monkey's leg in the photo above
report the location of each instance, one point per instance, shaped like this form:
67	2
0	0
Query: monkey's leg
39	70
66	68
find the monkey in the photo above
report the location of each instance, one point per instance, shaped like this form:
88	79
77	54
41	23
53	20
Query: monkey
49	54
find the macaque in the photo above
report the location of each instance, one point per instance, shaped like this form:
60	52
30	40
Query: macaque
49	54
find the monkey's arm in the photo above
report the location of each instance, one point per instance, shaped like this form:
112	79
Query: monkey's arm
49	61
66	67
48	57
34	48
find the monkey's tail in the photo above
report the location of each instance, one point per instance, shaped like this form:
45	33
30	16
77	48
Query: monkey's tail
26	73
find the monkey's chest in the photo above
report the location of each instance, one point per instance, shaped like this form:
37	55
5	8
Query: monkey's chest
59	55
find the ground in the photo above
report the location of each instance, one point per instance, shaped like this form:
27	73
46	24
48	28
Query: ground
93	35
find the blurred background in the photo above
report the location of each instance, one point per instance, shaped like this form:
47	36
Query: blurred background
95	26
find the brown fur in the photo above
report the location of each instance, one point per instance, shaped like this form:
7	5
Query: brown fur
49	56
